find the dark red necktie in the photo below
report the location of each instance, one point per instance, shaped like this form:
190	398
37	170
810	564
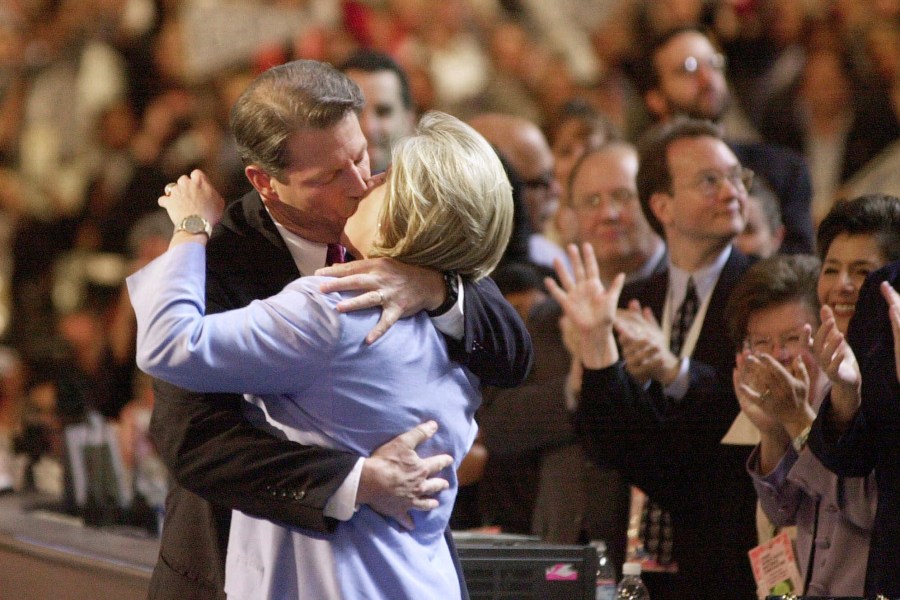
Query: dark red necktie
336	254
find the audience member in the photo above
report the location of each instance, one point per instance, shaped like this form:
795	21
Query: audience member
658	409
577	501
780	387
836	129
580	128
856	428
765	230
603	196
388	113
523	145
684	74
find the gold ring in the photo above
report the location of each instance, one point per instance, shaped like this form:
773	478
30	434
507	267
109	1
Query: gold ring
169	187
380	297
765	395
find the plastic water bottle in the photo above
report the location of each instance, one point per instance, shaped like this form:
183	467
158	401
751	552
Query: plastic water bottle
631	587
606	573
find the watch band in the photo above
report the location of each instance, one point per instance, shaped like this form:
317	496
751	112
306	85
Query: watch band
452	283
799	442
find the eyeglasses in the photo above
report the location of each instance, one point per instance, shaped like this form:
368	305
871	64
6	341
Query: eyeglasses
709	182
616	199
542	182
789	341
692	64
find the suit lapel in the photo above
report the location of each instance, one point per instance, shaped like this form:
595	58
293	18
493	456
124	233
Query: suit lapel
713	343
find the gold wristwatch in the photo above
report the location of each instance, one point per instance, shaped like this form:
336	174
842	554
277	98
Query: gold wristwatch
195	224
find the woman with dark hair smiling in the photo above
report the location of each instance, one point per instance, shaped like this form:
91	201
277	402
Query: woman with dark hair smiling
781	380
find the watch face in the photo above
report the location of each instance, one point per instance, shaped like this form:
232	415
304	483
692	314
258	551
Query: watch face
194	224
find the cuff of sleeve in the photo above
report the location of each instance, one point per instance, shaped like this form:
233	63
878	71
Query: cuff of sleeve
779	474
678	388
452	323
342	504
572	397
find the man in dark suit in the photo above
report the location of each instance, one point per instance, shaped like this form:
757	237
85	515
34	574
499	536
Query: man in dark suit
658	412
857	430
576	501
683	74
305	155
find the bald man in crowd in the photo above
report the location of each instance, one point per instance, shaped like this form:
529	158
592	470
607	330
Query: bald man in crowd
526	150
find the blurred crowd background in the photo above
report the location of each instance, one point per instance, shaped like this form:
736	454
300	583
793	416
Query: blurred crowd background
102	102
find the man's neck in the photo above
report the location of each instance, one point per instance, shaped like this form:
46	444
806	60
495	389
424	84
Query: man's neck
629	264
691	255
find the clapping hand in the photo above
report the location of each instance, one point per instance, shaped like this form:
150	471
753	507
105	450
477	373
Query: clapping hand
779	391
588	306
748	398
644	348
837	361
833	353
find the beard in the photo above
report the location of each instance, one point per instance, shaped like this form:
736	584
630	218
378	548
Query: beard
701	110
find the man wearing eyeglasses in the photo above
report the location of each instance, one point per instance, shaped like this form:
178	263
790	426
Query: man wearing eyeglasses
657	406
525	148
683	74
604	201
576	501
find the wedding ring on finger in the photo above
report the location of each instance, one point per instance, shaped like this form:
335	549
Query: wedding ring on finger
765	395
380	297
169	187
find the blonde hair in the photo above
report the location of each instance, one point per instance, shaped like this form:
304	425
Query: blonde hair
448	203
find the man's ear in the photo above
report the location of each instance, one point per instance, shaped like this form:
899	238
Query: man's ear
261	182
661	207
566	221
656	103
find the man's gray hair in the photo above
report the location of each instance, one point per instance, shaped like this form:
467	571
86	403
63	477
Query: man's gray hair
285	99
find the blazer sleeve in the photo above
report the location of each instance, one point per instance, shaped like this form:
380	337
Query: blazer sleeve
619	426
778	496
211	450
855	452
496	346
214	452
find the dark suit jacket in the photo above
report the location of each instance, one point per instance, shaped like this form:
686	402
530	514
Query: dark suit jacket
786	173
873	440
220	461
530	425
673	451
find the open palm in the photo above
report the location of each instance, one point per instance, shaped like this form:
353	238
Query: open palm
589	306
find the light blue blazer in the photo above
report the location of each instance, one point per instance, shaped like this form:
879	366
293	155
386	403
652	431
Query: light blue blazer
317	382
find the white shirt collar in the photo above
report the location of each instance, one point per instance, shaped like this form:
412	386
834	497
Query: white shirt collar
705	278
307	255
